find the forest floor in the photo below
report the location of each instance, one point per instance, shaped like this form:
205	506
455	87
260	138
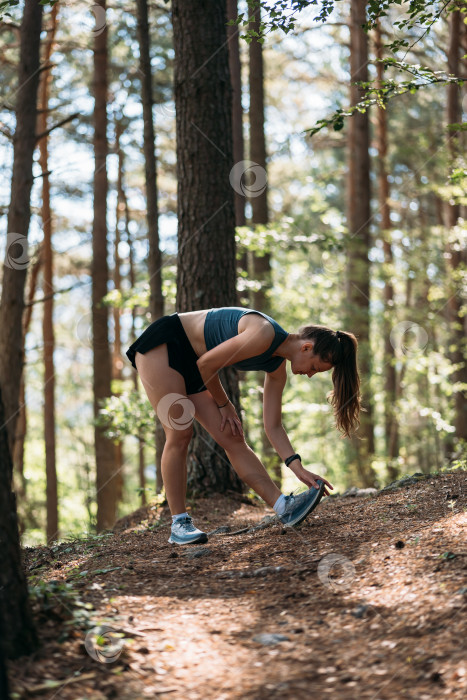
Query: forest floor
366	599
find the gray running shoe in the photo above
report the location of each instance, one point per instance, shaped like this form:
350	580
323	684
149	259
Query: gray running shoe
298	507
184	532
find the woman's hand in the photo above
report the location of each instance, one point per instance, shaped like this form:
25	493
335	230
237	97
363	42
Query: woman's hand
309	479
229	415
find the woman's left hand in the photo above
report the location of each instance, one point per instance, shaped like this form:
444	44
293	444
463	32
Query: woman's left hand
309	479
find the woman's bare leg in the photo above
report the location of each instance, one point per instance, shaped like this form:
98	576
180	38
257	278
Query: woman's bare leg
160	381
241	456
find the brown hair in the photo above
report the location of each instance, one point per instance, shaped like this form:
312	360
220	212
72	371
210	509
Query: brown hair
339	348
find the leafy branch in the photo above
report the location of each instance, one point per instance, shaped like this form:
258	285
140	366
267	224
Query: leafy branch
388	89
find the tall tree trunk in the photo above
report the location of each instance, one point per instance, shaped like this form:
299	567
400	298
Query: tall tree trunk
117	362
261	264
106	477
454	247
206	216
156	303
18	632
52	531
358	221
141	461
16	259
235	69
21	424
391	425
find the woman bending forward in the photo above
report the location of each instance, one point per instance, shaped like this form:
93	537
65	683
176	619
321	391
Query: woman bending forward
180	356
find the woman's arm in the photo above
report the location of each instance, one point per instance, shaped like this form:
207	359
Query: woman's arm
272	418
274	384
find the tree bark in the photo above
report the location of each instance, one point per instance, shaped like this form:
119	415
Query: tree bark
358	221
454	247
52	530
235	69
117	361
156	303
206	273
391	425
261	264
16	260
21	424
18	632
106	478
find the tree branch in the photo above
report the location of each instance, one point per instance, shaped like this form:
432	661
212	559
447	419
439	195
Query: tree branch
56	126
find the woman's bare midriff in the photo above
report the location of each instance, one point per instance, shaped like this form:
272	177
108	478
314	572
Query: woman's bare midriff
193	324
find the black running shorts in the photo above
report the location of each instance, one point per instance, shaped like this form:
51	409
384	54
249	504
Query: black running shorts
182	357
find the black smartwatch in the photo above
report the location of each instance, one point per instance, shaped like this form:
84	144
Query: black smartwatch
291	459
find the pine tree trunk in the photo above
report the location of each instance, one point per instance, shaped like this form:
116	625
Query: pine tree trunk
18	632
206	217
131	258
235	69
357	310
391	425
261	264
156	303
47	319
16	260
106	478
21	424
454	247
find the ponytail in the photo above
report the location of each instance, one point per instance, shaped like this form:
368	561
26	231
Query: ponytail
339	349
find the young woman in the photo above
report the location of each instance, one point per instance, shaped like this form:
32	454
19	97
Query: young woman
180	356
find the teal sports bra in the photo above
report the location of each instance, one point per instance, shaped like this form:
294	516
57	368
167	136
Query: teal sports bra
222	324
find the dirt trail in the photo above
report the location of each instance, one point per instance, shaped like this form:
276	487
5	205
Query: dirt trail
365	600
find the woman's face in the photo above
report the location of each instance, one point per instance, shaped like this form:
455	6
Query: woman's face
305	362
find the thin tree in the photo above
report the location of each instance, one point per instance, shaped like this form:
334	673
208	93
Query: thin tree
454	246
206	272
106	477
117	362
19	213
357	309
21	423
391	425
235	69
156	302
52	530
260	263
